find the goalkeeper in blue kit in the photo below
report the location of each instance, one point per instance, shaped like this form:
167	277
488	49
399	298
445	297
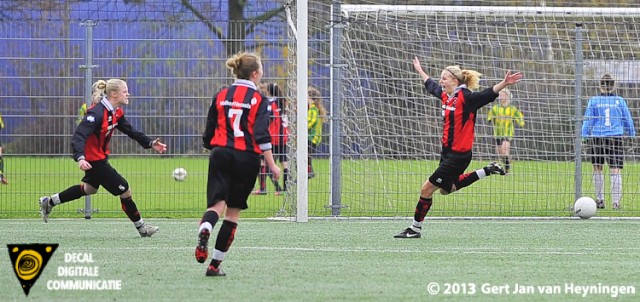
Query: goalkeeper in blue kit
606	121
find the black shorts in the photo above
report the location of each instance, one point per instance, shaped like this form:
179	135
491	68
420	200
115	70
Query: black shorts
499	140
609	149
103	174
280	153
452	165
232	175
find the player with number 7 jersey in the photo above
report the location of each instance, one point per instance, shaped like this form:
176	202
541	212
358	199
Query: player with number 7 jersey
238	118
237	132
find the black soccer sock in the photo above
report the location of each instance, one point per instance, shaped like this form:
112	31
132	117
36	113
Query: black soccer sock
1	165
71	193
507	164
466	180
223	242
263	178
422	208
129	207
211	217
310	167
285	176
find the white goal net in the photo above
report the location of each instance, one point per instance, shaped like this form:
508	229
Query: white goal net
390	128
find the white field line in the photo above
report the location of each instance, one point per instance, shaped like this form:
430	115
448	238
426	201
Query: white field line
470	250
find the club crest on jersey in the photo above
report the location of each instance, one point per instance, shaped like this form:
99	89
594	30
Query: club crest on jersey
254	101
91	119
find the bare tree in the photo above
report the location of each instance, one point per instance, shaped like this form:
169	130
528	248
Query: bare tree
238	26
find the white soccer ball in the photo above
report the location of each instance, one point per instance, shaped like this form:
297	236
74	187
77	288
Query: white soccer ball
179	174
585	207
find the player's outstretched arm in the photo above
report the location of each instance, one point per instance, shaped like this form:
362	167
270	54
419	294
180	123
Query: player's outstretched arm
509	79
418	67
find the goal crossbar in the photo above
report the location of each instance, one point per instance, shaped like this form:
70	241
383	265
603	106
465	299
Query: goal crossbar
492	10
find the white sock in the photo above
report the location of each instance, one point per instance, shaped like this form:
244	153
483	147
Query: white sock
139	223
56	199
218	255
481	173
416	225
616	187
205	225
598	183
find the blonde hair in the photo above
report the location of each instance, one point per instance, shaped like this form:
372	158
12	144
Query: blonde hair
97	91
471	78
243	64
113	85
314	94
508	93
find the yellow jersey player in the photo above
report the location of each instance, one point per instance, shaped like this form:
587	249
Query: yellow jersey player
504	116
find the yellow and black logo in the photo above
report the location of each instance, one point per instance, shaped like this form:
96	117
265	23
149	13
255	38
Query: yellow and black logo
29	260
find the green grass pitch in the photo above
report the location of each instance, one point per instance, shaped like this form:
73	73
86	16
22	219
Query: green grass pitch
370	188
330	260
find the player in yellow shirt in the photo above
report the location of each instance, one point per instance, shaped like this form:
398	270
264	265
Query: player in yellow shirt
504	116
315	118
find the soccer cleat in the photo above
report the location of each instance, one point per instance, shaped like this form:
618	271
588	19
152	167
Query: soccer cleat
600	204
3	179
494	168
279	193
616	206
146	230
212	271
259	192
408	233
45	207
202	251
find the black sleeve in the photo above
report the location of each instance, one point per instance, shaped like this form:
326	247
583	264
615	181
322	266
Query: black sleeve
282	104
139	136
433	88
89	125
261	127
476	100
212	124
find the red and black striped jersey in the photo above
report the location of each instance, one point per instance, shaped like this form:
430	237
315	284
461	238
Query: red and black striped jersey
91	139
238	118
278	124
459	114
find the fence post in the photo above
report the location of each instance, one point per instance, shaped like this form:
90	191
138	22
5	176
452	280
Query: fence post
88	81
336	66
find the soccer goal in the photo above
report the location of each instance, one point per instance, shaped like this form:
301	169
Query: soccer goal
389	128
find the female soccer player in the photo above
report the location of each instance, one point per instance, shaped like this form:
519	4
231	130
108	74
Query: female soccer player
279	135
315	118
606	120
90	145
237	132
503	116
459	106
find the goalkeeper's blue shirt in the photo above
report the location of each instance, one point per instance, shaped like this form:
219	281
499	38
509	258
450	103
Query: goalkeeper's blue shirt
607	115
